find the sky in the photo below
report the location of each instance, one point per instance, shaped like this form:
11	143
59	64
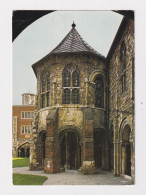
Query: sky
97	28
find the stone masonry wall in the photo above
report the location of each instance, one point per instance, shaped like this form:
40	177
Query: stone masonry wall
56	65
67	115
121	105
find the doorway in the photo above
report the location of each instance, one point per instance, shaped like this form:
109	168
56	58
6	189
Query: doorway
99	149
70	150
24	150
126	151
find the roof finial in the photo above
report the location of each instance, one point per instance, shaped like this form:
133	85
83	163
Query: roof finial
73	24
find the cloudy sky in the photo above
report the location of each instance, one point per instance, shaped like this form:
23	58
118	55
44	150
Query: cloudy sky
97	28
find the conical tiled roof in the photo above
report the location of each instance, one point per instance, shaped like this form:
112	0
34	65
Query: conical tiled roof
72	43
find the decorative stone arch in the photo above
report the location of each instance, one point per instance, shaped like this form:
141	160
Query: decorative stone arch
24	149
73	128
124	124
71	67
99	74
69	138
25	142
96	73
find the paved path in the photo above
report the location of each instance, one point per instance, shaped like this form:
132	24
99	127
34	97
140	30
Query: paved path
72	177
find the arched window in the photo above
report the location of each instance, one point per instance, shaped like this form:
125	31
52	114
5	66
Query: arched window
48	99
48	83
66	98
75	96
66	81
123	67
75	79
70	85
99	93
45	88
43	100
43	85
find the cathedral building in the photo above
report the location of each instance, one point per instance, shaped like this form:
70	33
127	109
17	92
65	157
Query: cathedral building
84	107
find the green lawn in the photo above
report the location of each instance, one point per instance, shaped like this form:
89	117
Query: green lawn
20	162
21	179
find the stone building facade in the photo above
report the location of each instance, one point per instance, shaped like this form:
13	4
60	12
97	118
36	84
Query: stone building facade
22	116
121	100
76	124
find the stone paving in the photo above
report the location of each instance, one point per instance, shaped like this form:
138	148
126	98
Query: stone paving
72	177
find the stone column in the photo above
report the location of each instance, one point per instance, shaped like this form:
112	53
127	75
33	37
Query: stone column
123	159
77	155
88	165
117	150
14	152
117	158
25	150
67	164
34	152
132	157
34	147
52	162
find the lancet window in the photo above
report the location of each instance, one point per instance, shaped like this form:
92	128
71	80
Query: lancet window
45	89
71	85
99	92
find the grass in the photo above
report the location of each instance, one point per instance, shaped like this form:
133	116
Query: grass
20	162
21	179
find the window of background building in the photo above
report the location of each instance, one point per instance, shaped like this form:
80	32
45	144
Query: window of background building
32	113
25	129
22	130
27	115
22	114
29	129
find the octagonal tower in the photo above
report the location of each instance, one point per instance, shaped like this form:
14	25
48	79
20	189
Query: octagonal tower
70	125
